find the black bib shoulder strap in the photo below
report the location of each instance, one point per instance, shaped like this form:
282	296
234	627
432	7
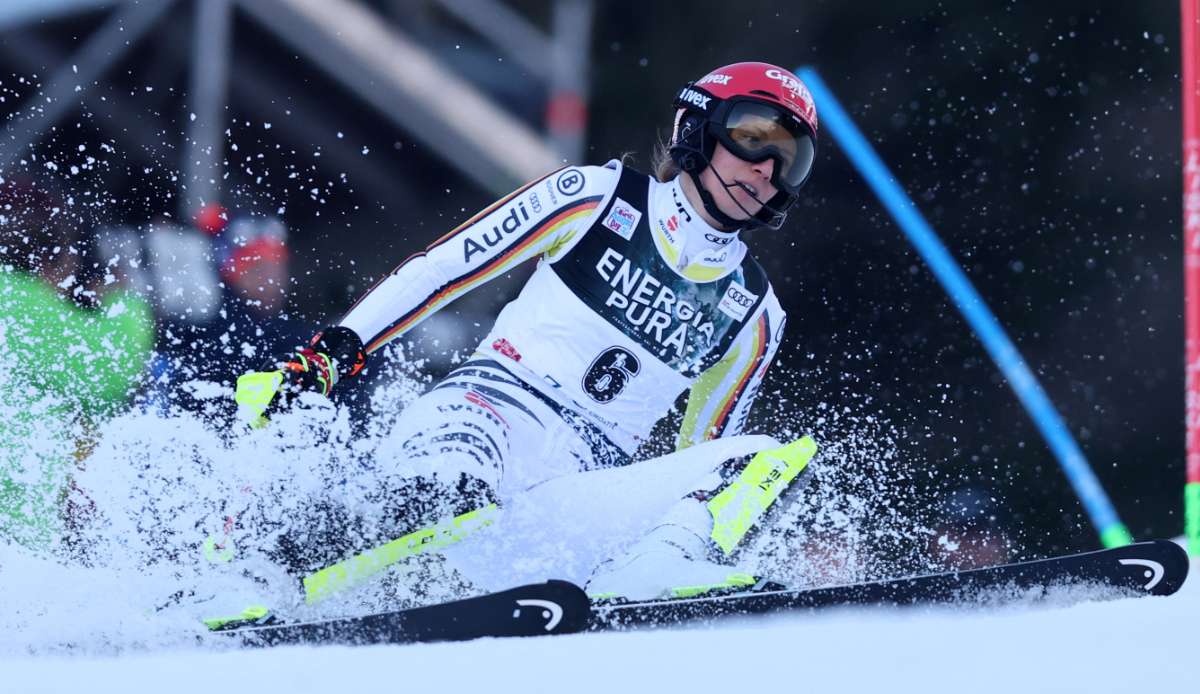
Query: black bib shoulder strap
622	225
633	187
755	279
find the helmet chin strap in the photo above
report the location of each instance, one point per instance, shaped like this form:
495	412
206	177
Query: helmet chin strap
710	205
729	223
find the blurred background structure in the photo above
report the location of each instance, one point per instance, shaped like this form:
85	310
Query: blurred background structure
1041	140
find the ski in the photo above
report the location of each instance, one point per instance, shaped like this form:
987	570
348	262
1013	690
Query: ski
560	607
1147	568
554	607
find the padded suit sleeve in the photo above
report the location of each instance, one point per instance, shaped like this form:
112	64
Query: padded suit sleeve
529	222
721	397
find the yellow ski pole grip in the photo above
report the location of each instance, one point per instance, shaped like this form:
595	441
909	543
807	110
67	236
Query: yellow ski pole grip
254	394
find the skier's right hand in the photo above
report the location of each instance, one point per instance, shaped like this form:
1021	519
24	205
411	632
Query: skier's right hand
335	353
262	392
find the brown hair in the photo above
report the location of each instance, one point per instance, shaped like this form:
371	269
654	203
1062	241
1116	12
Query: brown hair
661	163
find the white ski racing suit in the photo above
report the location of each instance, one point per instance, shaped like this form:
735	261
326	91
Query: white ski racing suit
635	300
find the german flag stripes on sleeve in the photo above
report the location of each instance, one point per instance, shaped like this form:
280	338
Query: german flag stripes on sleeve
520	226
721	397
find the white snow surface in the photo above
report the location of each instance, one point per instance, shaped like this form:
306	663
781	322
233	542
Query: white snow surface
1142	645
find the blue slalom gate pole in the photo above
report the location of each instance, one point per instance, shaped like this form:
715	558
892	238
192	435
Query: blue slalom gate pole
835	120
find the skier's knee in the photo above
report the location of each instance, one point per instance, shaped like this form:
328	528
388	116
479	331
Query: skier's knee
750	487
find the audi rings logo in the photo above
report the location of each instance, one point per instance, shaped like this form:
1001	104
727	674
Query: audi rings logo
740	298
569	182
737	301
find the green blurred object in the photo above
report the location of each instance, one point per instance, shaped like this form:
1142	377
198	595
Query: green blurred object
1191	517
65	369
1116	536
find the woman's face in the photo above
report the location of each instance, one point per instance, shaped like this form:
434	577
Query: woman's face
742	178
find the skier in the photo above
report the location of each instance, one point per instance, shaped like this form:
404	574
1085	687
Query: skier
644	289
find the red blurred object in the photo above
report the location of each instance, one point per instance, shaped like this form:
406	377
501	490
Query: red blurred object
212	218
566	112
262	249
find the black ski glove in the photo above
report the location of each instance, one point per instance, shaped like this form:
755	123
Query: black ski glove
333	354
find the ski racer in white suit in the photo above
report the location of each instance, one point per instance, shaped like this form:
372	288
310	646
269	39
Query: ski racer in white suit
644	289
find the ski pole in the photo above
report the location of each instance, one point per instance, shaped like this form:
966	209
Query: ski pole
972	306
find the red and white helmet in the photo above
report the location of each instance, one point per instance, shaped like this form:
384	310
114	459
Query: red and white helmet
757	111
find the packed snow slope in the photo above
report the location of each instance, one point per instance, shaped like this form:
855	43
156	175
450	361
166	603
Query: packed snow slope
1124	646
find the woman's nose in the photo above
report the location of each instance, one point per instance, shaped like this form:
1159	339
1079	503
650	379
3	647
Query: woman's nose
765	168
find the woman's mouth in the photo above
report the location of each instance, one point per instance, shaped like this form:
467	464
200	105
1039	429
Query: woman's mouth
748	188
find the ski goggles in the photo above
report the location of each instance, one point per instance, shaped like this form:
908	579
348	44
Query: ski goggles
755	131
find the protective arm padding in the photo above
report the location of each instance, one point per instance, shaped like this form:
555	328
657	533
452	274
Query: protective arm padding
523	225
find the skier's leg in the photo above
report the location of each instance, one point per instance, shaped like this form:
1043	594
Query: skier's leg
689	550
444	459
327	529
478	437
458	451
